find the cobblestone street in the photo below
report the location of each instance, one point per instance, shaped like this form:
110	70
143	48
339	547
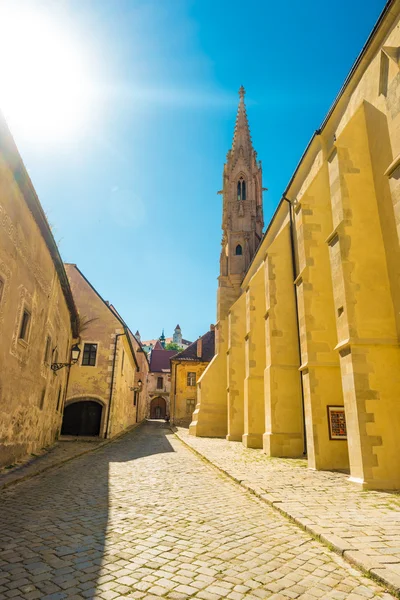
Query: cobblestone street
362	525
144	517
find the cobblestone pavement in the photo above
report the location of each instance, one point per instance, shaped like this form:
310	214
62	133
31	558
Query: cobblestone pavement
47	458
365	526
144	517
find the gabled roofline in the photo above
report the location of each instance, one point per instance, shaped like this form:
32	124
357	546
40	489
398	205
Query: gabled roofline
386	10
113	312
13	158
177	357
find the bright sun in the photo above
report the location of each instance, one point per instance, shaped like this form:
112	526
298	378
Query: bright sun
44	90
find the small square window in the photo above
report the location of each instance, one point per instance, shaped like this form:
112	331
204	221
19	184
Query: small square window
191	379
25	326
89	355
190	405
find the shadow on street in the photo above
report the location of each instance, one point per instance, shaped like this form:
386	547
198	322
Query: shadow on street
53	527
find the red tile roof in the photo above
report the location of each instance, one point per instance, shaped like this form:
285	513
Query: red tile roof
159	360
207	349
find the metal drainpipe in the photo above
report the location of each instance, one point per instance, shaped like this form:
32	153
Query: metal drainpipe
137	403
174	411
297	321
118	335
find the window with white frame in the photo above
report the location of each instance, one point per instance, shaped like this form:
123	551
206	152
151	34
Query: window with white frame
191	379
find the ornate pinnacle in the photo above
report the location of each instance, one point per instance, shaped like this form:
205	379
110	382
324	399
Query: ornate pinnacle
242	92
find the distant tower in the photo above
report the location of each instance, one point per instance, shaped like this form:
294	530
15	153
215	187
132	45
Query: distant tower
162	339
177	337
242	213
137	336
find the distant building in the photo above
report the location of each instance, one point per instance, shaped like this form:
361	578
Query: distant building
159	382
186	369
176	338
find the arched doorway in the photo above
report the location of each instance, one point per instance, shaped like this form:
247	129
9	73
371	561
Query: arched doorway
158	408
82	418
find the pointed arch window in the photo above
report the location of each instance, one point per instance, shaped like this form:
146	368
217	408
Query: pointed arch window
241	189
239	250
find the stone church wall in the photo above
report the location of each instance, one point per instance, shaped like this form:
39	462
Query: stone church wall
309	352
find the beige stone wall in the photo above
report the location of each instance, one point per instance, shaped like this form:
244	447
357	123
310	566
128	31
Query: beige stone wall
210	416
236	370
154	392
141	375
283	399
94	382
31	395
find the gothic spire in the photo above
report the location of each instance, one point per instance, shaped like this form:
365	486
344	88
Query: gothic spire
241	134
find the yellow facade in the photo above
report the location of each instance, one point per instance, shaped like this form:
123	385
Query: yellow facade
184	389
187	368
112	380
314	324
32	282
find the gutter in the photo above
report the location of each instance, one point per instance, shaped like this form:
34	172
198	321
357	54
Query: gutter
342	90
174	411
324	123
294	271
114	313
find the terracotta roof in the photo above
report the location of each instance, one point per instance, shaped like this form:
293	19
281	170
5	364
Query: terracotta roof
159	360
207	350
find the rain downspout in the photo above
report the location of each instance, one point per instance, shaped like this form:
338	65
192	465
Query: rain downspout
297	321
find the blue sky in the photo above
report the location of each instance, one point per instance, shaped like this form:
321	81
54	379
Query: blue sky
132	195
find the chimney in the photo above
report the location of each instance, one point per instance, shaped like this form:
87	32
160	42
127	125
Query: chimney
199	347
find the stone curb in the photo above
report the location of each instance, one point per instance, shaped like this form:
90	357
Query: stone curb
63	461
374	569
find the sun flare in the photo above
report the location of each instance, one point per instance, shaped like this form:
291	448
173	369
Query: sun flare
44	90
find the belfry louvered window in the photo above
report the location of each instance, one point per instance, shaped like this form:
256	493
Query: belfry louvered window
241	189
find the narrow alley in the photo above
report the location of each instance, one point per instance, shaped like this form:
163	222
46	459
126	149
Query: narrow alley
144	517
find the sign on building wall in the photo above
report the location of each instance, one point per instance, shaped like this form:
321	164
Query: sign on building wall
337	423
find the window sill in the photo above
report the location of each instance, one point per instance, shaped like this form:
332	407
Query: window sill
22	343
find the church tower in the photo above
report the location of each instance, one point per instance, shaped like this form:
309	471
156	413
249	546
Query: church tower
242	213
177	337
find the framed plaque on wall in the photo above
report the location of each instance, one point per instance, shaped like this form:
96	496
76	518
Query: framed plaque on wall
337	423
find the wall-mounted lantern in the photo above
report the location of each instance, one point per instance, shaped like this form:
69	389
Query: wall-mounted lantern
75	354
